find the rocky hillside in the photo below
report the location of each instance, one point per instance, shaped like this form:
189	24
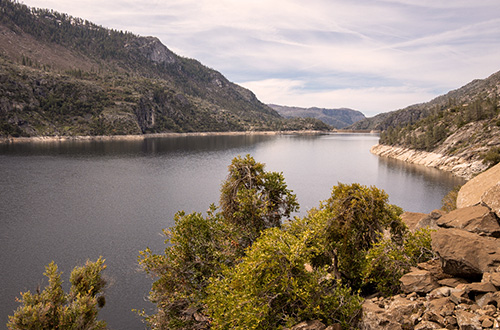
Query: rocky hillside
338	118
460	289
463	125
61	75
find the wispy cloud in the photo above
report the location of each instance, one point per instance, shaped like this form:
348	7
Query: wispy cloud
370	55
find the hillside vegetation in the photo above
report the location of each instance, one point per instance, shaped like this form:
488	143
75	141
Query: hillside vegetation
464	123
338	118
61	75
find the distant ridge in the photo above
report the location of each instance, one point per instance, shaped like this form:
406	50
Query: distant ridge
65	76
338	118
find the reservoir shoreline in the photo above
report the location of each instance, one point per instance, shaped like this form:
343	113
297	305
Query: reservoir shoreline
7	140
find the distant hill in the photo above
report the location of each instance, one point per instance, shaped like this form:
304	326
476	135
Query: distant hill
464	122
338	118
61	75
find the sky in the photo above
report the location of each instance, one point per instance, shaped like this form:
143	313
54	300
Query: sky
370	55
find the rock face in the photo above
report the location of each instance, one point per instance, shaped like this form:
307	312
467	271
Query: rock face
461	289
456	165
482	189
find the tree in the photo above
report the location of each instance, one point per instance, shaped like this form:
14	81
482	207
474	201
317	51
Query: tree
200	247
54	309
253	200
348	224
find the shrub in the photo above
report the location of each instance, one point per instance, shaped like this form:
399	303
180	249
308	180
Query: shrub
492	157
200	247
449	202
348	224
388	260
53	309
275	286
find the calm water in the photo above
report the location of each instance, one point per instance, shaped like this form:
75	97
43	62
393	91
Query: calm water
72	201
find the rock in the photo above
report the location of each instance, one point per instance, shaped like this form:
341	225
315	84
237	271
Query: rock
493	278
475	288
465	254
452	282
427	325
429	221
309	325
460	296
468	321
470	194
440	306
475	219
491	198
419	280
487	323
396	315
411	219
488	299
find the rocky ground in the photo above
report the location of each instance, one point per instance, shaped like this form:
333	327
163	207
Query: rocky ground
461	288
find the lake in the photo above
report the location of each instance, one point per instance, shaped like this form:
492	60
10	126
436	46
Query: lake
75	200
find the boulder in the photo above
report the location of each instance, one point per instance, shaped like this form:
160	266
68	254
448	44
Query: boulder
411	219
475	219
493	278
430	220
470	194
465	254
491	198
394	313
468	321
418	280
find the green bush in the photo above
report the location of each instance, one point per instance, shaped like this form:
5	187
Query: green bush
449	202
54	309
275	286
492	157
348	224
252	200
388	260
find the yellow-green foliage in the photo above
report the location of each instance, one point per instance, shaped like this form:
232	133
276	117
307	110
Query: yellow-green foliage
449	202
348	224
388	260
242	268
54	309
199	247
275	286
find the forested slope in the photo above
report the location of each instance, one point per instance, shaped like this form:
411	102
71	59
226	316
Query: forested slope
62	75
464	123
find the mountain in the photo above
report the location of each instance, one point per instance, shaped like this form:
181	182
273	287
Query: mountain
61	75
338	118
463	123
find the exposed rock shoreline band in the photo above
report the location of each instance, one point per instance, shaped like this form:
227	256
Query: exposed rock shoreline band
453	164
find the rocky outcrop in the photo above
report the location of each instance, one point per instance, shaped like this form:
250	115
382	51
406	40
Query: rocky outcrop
460	289
484	188
456	165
